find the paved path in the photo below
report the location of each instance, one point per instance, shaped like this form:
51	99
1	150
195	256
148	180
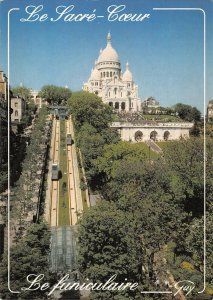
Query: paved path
76	174
71	181
75	196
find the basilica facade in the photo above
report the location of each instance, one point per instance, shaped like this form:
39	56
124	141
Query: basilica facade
107	81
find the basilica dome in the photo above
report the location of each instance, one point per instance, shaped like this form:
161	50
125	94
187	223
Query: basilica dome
109	53
127	75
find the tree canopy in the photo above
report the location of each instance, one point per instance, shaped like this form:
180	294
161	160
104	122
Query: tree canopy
28	256
55	95
89	108
23	92
147	194
165	199
110	244
187	112
92	125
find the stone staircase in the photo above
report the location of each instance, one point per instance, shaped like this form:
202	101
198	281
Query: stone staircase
153	146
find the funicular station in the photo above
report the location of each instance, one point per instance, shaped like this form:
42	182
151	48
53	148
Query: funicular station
60	112
63	249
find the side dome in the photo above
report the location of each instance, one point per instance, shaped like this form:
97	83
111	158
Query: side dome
95	75
109	53
127	75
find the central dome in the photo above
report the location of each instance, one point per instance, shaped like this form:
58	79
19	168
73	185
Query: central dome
109	53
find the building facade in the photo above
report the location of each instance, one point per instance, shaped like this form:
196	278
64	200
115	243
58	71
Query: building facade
210	111
151	103
36	98
18	106
3	117
107	81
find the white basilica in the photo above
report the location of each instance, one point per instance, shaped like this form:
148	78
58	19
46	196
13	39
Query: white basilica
108	82
120	91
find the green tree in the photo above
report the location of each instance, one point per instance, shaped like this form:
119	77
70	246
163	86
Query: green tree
3	177
114	153
55	95
109	243
91	142
29	256
187	112
185	159
89	108
23	92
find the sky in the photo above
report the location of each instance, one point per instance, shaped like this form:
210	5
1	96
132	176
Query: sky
165	52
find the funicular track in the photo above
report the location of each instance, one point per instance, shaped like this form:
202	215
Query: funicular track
63	228
54	192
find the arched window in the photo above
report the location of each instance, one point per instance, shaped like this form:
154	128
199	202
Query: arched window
166	135
107	74
104	74
110	104
138	136
123	105
115	91
109	94
110	74
16	113
153	135
116	105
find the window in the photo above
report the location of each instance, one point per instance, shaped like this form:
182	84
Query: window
138	136
116	105
123	106
16	104
16	113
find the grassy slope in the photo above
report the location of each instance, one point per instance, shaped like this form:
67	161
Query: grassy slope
153	155
63	197
163	118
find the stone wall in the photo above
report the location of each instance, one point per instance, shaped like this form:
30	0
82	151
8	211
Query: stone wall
159	132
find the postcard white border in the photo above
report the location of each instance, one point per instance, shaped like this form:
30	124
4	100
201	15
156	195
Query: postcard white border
8	202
